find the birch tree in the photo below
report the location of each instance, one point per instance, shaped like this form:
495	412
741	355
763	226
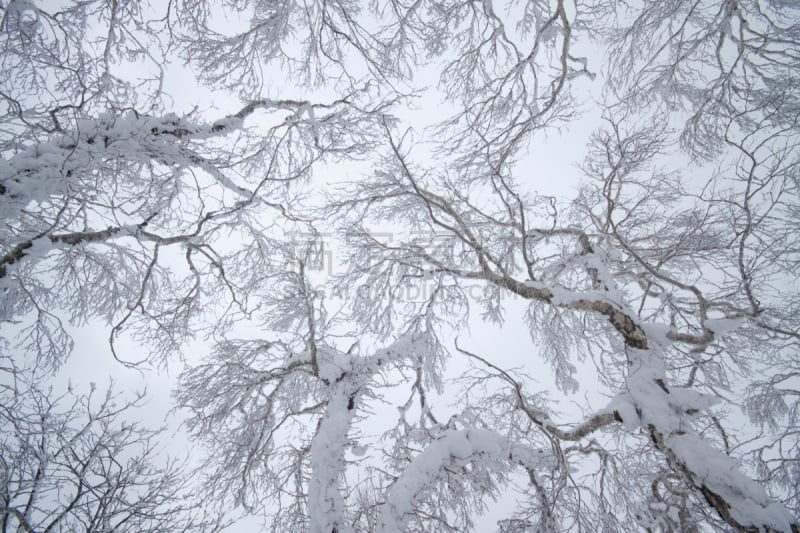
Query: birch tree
324	396
76	461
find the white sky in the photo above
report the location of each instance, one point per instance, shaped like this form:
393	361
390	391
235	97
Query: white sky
549	169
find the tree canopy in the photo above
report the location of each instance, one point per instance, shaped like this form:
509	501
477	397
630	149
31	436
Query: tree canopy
322	236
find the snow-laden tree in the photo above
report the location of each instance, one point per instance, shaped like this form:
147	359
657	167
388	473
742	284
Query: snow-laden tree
325	396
